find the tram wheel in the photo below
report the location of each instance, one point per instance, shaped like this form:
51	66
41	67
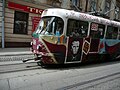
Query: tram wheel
38	63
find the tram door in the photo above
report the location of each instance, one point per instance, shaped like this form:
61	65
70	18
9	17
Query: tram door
96	34
76	32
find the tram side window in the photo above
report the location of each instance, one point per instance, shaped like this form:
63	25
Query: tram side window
119	34
112	32
59	24
97	30
77	28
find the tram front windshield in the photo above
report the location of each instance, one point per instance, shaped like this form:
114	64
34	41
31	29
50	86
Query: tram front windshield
50	25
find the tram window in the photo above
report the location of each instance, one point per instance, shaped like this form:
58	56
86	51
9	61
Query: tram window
119	34
20	23
50	26
112	32
77	28
59	26
97	30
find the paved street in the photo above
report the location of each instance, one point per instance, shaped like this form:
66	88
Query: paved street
103	76
16	75
18	67
15	57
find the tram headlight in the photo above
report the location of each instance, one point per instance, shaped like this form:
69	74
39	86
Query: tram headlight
31	43
31	48
34	42
38	47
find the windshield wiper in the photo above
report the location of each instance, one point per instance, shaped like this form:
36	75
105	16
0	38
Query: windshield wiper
47	25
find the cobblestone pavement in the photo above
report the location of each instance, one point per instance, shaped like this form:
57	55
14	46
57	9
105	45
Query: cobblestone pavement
15	54
15	57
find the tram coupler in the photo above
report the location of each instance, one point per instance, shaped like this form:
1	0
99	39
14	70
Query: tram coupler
118	57
25	60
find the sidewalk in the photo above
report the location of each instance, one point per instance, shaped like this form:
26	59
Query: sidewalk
14	51
14	55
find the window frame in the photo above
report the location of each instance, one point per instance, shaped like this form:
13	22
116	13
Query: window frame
50	27
112	32
119	33
107	7
117	12
93	5
80	30
21	22
76	2
98	31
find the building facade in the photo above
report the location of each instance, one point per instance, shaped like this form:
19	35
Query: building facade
19	18
0	23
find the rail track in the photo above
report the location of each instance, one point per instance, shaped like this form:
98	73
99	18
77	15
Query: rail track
18	67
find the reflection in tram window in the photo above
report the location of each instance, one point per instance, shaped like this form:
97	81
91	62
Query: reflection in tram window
112	32
77	28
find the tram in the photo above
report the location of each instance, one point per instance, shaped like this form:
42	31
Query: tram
66	36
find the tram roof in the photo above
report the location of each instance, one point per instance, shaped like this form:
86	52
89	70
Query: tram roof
64	13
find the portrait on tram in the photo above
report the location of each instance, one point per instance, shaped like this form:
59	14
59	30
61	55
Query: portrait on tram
74	50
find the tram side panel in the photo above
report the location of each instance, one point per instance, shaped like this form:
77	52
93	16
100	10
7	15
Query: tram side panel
112	48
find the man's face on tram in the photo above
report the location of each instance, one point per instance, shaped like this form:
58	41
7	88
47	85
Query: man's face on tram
75	46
